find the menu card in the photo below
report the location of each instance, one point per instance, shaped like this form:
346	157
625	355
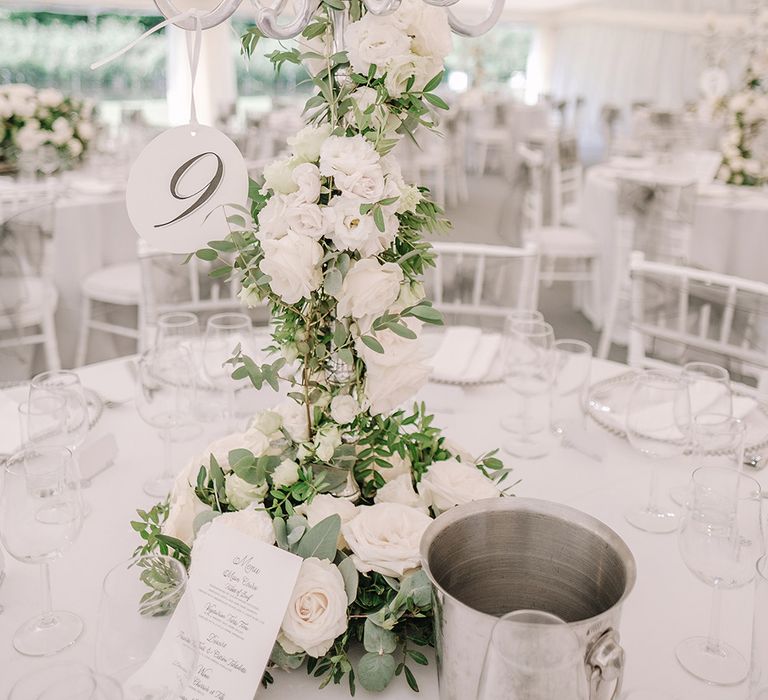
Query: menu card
238	591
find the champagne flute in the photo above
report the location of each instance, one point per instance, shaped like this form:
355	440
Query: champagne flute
528	373
658	425
141	600
40	518
720	541
223	333
165	393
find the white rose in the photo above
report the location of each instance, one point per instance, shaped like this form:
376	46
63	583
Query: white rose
294	417
365	100
286	473
305	145
22	106
184	506
397	467
400	490
220	449
50	97
432	36
86	130
5	107
268	422
62	131
278	176
427	67
450	483
317	613
371	41
75	147
344	408
346	155
242	494
411	293
349	229
326	442
272	218
307	179
367	182
29	137
256	441
252	521
249	296
293	264
322	506
306	219
399	70
463	455
385	538
369	288
410	196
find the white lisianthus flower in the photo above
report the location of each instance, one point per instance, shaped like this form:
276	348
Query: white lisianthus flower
367	183
184	506
86	130
29	137
50	97
272	218
242	494
307	179
256	442
278	176
306	144
317	613
62	131
220	449
344	408
385	538
400	490
253	521
346	155
398	465
411	293
75	147
432	35
348	228
399	69
249	296
306	219
450	483
369	288
22	106
268	422
294	417
410	196
293	264
286	473
326	442
322	506
372	41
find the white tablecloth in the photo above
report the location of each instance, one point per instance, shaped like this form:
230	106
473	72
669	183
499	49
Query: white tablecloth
668	602
730	231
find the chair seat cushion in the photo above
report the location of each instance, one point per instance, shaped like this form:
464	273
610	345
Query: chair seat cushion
563	241
23	301
115	284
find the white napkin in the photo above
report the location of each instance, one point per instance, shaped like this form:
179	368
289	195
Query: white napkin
465	355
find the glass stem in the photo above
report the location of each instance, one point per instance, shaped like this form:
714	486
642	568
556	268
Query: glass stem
231	409
653	492
167	456
713	636
46	619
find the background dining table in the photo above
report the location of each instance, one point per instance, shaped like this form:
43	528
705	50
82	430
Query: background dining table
667	604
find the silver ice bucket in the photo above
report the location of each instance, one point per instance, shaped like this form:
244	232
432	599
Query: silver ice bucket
488	558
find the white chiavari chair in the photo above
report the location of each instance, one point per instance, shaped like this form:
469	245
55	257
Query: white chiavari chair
679	314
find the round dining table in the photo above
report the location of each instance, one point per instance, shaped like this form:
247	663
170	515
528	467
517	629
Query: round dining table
667	604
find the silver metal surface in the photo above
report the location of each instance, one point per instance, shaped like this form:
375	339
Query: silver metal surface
488	558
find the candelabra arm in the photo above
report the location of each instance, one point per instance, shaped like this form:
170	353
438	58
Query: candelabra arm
382	7
267	19
441	3
221	13
471	30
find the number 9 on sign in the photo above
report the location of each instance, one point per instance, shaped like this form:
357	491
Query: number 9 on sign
179	184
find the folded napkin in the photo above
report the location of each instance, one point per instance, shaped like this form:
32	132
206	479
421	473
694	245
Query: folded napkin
465	355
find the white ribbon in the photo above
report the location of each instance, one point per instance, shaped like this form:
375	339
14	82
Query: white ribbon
193	49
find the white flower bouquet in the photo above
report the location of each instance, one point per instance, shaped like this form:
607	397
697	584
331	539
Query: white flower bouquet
31	118
338	473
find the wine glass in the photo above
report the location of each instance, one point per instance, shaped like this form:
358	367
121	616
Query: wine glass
658	425
720	541
528	373
80	682
709	387
223	333
177	327
532	655
66	385
165	393
573	362
143	601
40	518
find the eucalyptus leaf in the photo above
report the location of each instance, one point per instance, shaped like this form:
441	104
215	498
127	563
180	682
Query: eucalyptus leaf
351	578
203	518
372	343
378	640
333	281
321	541
376	671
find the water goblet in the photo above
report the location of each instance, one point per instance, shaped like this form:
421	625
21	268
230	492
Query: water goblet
658	426
709	386
178	327
720	541
40	518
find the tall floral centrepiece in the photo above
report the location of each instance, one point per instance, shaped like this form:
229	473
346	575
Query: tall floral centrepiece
336	473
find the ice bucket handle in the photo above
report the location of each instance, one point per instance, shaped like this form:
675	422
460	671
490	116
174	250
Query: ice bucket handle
605	667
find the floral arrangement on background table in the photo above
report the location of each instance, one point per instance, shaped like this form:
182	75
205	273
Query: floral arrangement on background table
32	118
337	473
745	144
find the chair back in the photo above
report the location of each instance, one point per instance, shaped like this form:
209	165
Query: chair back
533	199
476	284
679	314
567	184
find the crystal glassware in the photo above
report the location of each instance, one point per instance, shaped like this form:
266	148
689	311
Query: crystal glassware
573	362
528	373
658	426
758	676
40	518
140	599
720	542
709	386
64	384
80	682
532	655
165	399
178	327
